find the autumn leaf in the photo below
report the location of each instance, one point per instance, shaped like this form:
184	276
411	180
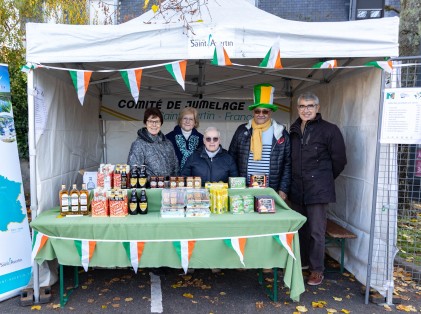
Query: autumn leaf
322	289
116	299
301	308
345	311
406	308
84	287
91	300
128	299
36	308
331	310
145	5
337	299
155	8
115	305
318	304
222	293
104	307
193	301
387	308
259	305
188	295
56	306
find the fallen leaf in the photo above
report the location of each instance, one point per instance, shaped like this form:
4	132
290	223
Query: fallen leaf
154	8
188	295
91	300
116	299
348	296
115	305
322	289
259	305
128	299
337	299
222	293
71	308
36	307
193	301
331	310
318	304
301	308
56	306
345	311
406	308
187	277
387	308
103	306
84	287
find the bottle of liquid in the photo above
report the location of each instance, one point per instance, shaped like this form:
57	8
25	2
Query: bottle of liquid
83	200
143	202
90	184
123	177
133	203
142	177
74	201
134	176
64	200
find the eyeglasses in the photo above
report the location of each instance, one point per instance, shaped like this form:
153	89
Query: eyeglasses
309	107
211	139
263	111
153	122
188	119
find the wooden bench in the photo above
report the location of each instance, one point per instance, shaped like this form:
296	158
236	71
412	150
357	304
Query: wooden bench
337	235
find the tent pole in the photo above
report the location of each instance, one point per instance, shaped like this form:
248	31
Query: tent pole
104	142
32	169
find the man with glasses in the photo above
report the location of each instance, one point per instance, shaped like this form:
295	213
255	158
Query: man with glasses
212	163
318	157
262	145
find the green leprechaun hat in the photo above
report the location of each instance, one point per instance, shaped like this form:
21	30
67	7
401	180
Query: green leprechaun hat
263	97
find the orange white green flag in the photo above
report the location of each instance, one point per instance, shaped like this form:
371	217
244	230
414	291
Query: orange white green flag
238	245
285	239
29	67
184	250
132	80
81	82
134	251
385	65
220	56
38	241
178	71
330	64
273	58
85	249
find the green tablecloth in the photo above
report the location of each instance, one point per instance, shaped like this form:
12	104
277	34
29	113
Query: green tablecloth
261	251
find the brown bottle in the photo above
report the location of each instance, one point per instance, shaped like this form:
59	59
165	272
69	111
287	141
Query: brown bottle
83	200
64	200
133	203
143	202
74	201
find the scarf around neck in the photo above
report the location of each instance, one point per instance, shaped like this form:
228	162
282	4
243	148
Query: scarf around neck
256	144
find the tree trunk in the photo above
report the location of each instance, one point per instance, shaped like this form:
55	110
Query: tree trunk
410	28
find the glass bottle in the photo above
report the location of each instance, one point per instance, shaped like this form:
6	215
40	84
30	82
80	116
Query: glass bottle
64	200
83	200
134	176
133	203
74	200
123	177
143	202
90	184
142	177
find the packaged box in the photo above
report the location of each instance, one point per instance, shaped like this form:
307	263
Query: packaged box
90	179
237	182
264	204
258	180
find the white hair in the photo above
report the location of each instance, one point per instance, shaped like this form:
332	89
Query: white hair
212	128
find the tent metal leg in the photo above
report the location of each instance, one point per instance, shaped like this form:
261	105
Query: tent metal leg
271	293
64	297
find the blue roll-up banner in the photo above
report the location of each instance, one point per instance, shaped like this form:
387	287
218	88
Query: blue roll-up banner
15	240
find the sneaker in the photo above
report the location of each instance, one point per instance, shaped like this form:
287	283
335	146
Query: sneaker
316	278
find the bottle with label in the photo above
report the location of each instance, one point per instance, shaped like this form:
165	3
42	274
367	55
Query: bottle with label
90	184
143	202
64	200
123	177
74	200
133	203
134	176
142	177
83	200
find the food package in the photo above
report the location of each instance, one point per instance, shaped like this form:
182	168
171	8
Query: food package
236	204
118	205
197	212
99	203
173	198
258	180
237	182
264	204
219	200
197	198
248	203
105	176
175	212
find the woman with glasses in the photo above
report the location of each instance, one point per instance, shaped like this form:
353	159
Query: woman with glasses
212	163
152	148
185	137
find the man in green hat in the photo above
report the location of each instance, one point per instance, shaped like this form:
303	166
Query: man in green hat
262	145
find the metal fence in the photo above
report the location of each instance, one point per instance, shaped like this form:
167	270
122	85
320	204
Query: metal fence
395	237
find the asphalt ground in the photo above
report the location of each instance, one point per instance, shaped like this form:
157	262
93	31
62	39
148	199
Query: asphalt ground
229	291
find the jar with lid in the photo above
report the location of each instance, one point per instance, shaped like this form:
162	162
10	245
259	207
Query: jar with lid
173	182
154	182
190	182
197	182
161	182
180	182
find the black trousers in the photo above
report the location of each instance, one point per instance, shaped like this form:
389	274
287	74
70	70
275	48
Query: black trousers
312	235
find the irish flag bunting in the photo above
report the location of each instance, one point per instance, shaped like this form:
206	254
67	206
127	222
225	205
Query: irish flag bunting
38	241
178	71
85	249
238	245
134	252
132	79
385	65
285	239
29	67
330	64
273	58
184	250
81	82
220	56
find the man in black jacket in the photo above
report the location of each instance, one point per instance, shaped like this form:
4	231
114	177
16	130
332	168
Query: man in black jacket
262	145
318	157
211	162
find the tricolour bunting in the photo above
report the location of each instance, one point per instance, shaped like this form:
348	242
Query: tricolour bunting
184	250
330	64
178	71
85	249
38	241
81	82
238	245
134	251
29	67
220	56
273	58
385	65
132	80
285	239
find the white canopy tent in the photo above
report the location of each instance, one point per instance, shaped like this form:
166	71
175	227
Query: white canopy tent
77	137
